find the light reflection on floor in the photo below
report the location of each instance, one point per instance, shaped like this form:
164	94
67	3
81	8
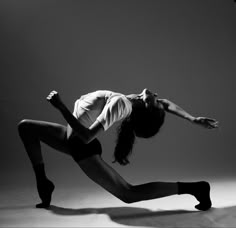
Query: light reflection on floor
73	207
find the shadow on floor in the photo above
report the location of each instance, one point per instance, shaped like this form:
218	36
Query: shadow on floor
134	216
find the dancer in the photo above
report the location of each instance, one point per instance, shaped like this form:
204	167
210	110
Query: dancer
140	115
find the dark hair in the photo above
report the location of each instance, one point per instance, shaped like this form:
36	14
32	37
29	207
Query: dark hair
144	123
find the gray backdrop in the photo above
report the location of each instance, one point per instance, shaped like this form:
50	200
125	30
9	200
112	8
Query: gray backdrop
181	49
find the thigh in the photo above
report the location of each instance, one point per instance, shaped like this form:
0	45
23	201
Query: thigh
104	175
52	134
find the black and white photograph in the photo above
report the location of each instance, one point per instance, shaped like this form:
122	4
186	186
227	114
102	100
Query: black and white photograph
117	113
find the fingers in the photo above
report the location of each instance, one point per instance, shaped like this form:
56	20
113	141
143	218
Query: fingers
54	92
213	125
49	97
210	126
210	119
208	123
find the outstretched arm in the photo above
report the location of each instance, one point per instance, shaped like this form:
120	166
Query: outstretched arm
173	108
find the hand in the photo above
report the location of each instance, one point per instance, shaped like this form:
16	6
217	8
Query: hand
55	100
206	122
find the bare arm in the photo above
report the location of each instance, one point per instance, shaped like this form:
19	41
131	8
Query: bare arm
85	134
173	108
176	110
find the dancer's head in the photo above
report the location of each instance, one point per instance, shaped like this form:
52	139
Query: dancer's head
145	121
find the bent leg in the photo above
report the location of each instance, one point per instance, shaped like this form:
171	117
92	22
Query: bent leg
34	131
54	135
104	175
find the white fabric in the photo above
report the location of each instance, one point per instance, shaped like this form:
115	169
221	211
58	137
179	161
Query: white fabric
103	105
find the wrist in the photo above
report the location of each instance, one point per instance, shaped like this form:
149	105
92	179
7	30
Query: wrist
192	119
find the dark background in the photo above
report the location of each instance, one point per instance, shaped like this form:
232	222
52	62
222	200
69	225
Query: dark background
184	50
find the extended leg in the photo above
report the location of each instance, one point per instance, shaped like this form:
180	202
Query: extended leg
100	172
31	133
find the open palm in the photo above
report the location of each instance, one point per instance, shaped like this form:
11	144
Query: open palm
206	122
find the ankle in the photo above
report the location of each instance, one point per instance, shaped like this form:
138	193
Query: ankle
186	187
39	171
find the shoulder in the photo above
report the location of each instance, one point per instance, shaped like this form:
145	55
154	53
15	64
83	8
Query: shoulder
165	102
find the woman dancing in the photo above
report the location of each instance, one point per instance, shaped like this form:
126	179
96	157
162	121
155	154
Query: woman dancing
141	115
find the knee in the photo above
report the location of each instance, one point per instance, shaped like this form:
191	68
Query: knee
23	125
127	195
127	200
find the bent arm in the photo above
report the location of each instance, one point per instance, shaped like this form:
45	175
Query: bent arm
173	108
85	134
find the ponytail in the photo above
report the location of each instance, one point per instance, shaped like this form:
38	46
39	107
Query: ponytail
125	142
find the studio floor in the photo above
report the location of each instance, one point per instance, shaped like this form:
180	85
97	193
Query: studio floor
94	207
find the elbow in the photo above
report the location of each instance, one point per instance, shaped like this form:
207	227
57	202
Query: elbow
86	139
83	137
